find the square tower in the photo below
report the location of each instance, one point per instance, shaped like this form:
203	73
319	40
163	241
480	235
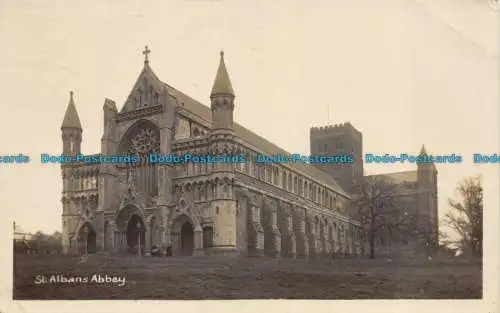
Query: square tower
341	139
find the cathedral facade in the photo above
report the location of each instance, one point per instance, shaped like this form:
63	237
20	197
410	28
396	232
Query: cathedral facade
247	208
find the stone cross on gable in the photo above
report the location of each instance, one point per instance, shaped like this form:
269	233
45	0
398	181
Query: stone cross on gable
146	53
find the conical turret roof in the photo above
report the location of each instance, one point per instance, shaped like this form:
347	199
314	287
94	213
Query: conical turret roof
71	119
222	83
423	151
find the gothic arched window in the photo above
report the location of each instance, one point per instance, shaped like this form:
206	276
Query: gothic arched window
183	130
142	139
269	174
262	172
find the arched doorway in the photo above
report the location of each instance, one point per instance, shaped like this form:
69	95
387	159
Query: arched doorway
91	242
187	239
135	234
87	239
182	236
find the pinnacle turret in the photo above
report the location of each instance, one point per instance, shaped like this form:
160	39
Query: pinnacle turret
422	151
71	119
222	83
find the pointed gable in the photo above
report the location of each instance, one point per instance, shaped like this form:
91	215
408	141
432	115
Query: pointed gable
147	91
71	119
202	114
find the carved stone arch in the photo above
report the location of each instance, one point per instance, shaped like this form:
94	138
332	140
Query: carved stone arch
83	220
128	209
86	236
134	139
185	206
216	183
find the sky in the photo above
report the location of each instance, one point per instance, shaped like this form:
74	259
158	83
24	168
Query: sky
403	72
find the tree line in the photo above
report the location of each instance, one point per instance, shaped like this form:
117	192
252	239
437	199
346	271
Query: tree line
39	243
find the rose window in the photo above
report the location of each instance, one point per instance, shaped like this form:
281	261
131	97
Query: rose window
144	142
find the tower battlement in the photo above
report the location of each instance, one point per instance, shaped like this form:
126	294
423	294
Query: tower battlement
330	130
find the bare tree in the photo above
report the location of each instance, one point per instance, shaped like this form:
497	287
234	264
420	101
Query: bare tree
379	210
466	217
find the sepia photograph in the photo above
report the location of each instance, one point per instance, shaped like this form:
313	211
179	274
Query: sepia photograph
267	150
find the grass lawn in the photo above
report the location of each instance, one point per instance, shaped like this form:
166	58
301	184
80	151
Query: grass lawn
248	278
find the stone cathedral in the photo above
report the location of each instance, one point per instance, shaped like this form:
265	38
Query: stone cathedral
201	209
